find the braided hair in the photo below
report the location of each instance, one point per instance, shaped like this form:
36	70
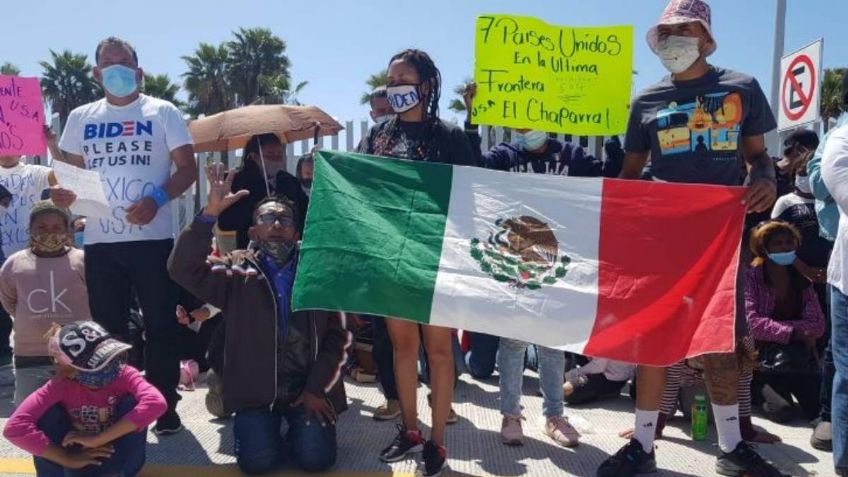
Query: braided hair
429	74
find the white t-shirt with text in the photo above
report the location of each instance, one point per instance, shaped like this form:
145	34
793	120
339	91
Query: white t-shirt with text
130	146
25	182
786	201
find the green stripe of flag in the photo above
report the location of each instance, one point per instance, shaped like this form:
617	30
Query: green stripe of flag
373	237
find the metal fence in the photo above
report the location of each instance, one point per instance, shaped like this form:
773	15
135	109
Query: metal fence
190	203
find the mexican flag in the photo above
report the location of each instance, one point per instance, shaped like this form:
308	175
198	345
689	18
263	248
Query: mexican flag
642	272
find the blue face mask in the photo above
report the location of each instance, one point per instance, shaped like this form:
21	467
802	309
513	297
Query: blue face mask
119	80
783	258
101	378
519	141
79	240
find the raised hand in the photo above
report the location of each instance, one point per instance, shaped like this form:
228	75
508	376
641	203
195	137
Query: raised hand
220	196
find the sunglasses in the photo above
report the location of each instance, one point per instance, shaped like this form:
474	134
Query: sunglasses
270	218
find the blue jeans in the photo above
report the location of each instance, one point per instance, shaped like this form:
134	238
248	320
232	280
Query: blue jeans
259	444
511	369
127	461
480	360
839	405
828	372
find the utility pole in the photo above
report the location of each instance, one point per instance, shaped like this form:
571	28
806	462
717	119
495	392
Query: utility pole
773	138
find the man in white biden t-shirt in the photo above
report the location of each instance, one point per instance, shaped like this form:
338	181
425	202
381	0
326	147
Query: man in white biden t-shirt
134	141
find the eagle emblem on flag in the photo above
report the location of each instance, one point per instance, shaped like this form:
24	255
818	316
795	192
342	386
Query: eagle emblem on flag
521	251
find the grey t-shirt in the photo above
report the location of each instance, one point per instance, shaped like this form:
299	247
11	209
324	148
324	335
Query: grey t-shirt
693	128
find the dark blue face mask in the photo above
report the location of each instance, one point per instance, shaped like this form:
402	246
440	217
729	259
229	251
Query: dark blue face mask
100	378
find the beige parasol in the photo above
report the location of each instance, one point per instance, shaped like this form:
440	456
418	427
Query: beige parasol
232	129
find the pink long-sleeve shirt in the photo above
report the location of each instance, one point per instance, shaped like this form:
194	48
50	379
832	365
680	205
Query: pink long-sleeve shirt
759	308
91	410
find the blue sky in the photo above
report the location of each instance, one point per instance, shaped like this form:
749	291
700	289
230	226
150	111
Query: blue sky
336	44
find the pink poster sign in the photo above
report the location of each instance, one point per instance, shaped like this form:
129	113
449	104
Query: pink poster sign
21	117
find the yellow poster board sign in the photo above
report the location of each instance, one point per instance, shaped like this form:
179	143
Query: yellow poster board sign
533	75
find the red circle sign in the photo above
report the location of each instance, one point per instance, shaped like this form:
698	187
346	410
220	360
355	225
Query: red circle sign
790	80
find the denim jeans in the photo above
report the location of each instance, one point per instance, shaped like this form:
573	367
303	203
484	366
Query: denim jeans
839	405
511	369
828	372
127	461
259	444
480	360
29	378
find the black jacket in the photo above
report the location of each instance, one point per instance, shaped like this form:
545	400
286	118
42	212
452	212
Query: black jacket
239	216
450	145
252	368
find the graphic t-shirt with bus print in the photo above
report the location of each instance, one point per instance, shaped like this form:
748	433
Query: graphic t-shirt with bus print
693	129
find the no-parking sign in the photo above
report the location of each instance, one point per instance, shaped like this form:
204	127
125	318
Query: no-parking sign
800	87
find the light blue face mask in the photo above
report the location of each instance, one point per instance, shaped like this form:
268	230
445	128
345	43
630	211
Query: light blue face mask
119	80
519	141
783	258
79	240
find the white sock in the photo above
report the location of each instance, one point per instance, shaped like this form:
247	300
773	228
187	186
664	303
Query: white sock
727	426
646	427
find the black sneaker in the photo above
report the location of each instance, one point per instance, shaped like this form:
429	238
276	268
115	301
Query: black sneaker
406	442
744	461
435	459
168	424
629	461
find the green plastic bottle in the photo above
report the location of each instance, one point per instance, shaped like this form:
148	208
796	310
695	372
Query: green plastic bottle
699	418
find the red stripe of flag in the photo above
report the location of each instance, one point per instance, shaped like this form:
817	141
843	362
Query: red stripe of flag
672	291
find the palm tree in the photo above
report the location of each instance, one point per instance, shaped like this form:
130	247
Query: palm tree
67	82
457	105
832	104
380	78
160	86
9	69
290	97
206	80
257	66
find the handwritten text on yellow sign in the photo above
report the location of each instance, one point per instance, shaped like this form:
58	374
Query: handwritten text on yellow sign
534	75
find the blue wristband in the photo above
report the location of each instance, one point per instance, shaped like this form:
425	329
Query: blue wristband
160	197
207	219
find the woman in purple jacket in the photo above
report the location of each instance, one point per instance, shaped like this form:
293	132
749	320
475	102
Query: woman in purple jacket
784	316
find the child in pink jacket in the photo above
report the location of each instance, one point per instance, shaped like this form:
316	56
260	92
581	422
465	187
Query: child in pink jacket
92	418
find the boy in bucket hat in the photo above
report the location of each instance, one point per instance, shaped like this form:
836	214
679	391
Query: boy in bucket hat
693	124
93	415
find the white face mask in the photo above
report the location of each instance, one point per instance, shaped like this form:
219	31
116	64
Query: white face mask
403	97
383	118
802	183
678	53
